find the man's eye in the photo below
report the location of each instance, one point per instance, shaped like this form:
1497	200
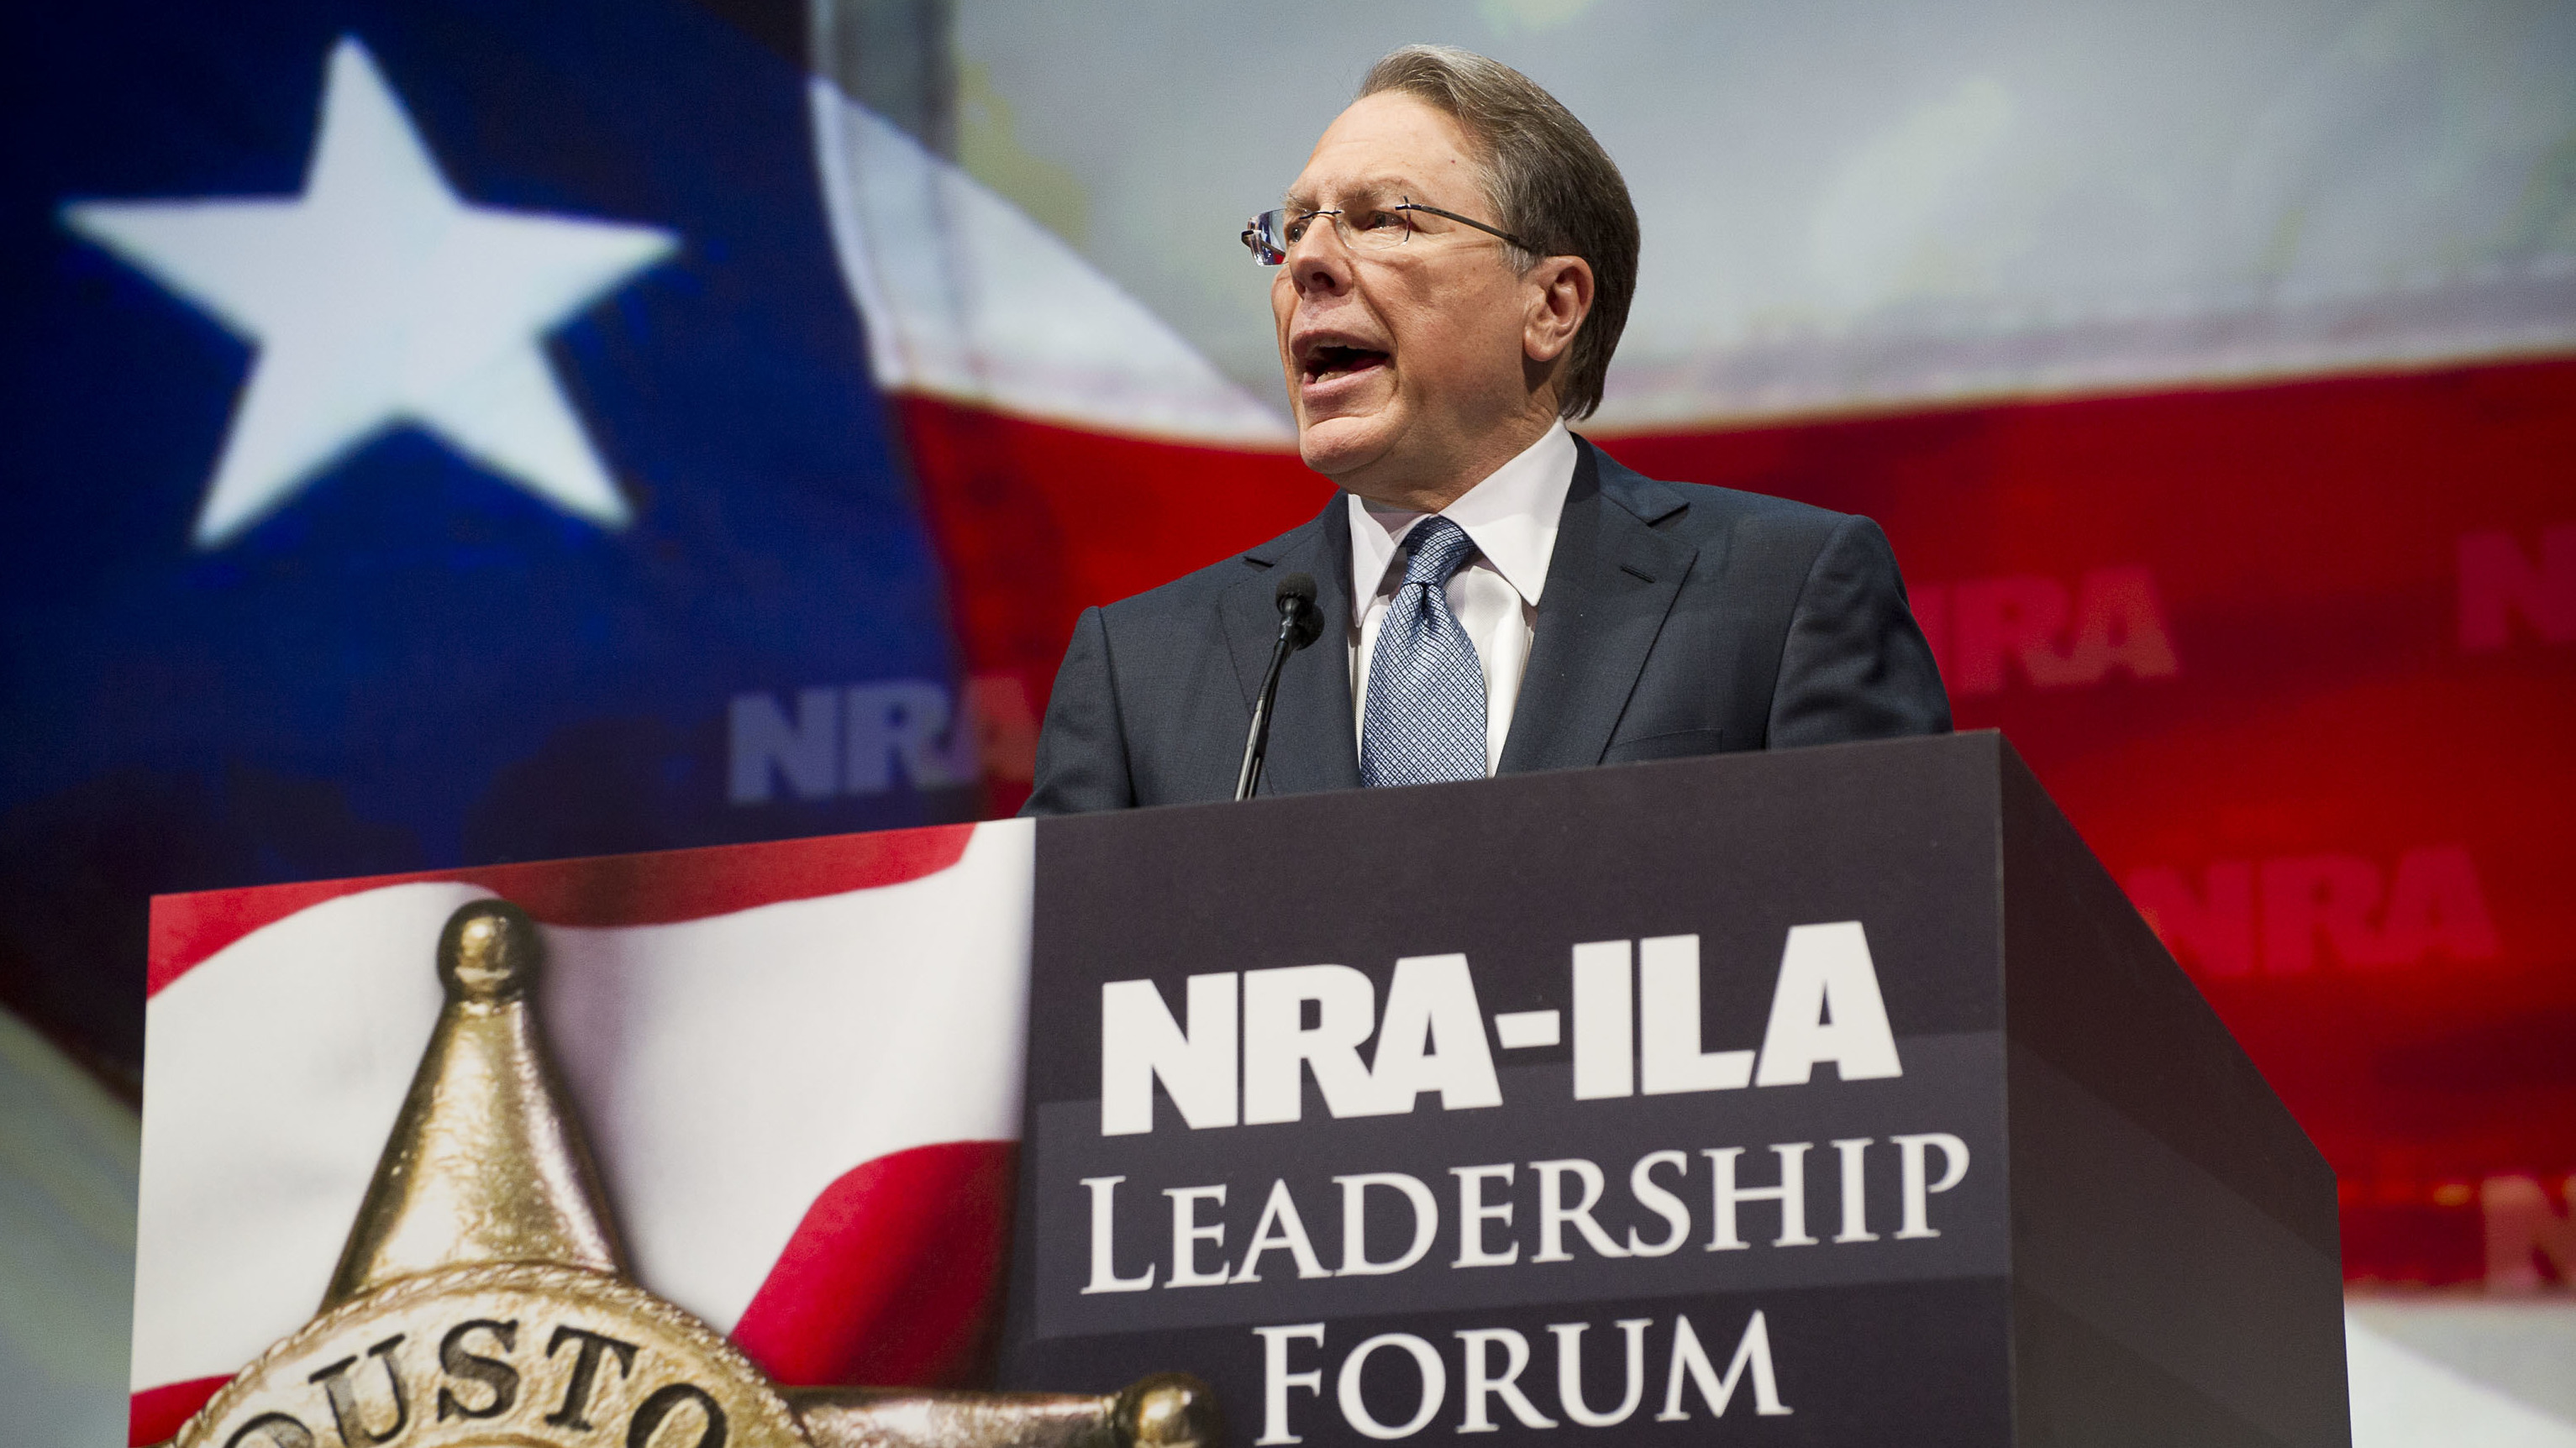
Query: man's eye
1380	220
1295	231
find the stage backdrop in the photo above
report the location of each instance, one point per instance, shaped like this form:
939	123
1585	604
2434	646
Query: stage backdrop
446	435
2213	373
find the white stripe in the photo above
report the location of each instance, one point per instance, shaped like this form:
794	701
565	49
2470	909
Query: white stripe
732	1068
271	1075
965	297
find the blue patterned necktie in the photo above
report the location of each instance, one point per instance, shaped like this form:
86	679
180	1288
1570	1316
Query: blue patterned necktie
1425	720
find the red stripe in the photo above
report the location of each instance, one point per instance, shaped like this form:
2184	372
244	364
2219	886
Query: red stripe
1036	523
155	1415
649	889
894	1277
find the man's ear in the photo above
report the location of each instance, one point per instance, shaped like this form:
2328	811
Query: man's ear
1560	297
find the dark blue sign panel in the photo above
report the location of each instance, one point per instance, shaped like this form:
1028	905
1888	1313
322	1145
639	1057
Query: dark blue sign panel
1638	1102
1819	1096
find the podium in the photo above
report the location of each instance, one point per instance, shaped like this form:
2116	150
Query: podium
1825	1096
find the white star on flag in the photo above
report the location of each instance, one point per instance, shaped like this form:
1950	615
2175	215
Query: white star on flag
378	299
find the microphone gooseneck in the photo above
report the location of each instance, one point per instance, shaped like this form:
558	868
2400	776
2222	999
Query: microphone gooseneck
1300	622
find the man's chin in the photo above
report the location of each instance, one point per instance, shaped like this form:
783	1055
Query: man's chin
1338	446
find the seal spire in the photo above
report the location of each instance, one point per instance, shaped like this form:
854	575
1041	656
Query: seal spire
487	1163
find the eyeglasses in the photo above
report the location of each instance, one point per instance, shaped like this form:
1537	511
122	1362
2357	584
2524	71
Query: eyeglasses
1373	228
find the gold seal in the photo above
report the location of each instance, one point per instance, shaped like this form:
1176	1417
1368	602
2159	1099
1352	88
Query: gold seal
483	1299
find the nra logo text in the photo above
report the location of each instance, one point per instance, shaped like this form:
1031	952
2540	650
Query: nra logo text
861	739
2287	913
1984	631
2508	593
2530	1239
1249	1047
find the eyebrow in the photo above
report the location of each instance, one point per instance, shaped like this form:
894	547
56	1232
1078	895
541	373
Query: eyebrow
1373	187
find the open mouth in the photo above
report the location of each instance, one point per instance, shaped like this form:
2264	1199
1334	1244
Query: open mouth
1333	360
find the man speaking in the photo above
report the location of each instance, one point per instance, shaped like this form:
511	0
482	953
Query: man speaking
1454	267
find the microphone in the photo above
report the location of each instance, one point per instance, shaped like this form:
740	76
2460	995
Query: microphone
1300	621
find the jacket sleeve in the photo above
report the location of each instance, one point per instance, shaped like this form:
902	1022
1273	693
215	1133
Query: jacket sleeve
1082	750
1855	665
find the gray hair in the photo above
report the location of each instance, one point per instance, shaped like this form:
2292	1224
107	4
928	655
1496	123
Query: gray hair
1549	181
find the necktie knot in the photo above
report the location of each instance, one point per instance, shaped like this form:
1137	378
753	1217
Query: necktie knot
1436	549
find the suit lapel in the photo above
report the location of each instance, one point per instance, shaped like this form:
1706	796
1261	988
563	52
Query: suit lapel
1610	582
1313	745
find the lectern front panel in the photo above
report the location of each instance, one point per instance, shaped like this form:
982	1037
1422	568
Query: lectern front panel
1631	1103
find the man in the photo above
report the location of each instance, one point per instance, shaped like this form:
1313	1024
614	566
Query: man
1455	265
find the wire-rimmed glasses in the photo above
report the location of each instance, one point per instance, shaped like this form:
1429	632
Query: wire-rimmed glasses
1362	228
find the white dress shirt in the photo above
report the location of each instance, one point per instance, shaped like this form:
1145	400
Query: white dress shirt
1511	517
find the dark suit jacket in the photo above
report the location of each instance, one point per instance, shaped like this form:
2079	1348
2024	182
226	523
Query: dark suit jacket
1677	619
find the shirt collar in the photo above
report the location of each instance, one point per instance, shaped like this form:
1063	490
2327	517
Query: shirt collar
1511	517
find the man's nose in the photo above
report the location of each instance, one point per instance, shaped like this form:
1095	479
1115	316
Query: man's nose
1318	261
